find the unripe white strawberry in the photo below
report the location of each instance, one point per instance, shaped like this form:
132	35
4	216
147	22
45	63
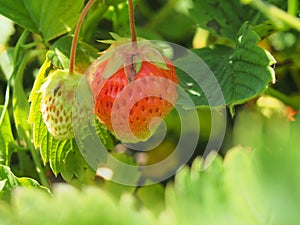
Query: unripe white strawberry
58	92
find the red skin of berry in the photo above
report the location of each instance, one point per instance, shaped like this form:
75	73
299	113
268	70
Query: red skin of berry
125	106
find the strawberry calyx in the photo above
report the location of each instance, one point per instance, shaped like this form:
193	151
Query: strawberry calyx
129	55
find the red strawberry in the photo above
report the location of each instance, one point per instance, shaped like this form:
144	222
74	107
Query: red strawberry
58	93
129	99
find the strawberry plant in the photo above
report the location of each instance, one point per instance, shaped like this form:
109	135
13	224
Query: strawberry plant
188	116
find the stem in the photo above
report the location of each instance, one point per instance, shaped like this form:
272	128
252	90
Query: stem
295	76
131	21
18	46
293	7
38	165
279	17
282	97
130	68
76	35
5	106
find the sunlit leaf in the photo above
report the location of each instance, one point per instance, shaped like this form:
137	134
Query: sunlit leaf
75	169
265	29
7	142
20	103
152	197
90	206
48	18
249	186
9	181
242	73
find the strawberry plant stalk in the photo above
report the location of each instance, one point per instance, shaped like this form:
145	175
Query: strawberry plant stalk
282	97
293	7
280	17
131	21
131	69
76	35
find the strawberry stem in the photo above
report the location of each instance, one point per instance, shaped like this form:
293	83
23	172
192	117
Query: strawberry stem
131	21
76	35
130	69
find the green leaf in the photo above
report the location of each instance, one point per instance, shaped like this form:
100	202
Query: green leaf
217	16
265	29
49	18
217	60
192	199
20	103
6	213
115	36
8	181
228	192
75	169
242	73
58	153
7	142
35	95
152	197
89	206
104	135
252	186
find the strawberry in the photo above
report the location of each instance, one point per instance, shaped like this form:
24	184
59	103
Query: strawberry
58	93
134	92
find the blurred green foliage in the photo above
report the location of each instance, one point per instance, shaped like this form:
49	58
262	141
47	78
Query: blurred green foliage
255	181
